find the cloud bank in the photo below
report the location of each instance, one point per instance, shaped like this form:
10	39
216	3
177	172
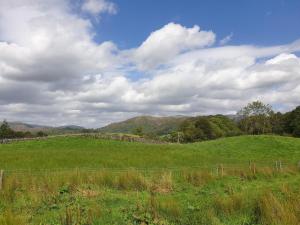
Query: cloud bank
53	72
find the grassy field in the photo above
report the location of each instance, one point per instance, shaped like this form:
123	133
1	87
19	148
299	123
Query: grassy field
89	181
76	152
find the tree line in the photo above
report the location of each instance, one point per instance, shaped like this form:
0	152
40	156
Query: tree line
255	118
259	118
7	133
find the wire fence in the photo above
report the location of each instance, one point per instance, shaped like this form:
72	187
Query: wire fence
276	165
105	136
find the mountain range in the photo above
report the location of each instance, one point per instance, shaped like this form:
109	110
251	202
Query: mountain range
146	124
34	128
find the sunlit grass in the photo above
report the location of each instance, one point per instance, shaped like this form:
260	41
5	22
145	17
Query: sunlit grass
227	181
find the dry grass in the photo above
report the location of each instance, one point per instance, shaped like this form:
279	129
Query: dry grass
272	210
197	178
9	218
269	209
162	183
229	205
171	208
132	180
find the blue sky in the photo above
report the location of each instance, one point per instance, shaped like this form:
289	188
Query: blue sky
93	62
259	22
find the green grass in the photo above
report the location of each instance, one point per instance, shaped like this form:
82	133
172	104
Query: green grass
158	196
76	152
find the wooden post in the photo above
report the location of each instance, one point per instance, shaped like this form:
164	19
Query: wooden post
280	165
1	179
217	170
222	170
276	165
254	168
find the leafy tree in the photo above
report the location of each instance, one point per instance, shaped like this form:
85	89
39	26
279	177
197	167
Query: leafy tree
138	131
175	136
208	127
277	123
41	134
6	131
256	118
207	132
292	122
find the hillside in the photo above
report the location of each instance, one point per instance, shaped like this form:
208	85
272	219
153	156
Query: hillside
149	124
83	152
83	180
34	128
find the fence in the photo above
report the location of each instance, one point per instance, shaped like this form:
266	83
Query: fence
218	170
106	136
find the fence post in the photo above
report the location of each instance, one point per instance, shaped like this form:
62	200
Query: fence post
280	165
222	170
254	168
1	178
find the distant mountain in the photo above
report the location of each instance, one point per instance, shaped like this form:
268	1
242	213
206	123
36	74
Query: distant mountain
70	127
33	128
148	124
19	126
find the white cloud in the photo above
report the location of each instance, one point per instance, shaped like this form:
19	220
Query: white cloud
226	39
167	42
95	7
54	45
52	71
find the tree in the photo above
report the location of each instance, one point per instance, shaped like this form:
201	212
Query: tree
41	134
203	124
198	129
6	131
138	131
256	118
277	123
292	122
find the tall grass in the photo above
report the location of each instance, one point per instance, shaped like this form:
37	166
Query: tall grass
273	210
58	191
10	218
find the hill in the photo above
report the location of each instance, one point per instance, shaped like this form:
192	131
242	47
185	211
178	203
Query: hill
79	152
148	124
83	180
34	128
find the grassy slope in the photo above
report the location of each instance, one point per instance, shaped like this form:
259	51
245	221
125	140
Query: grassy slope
262	199
82	152
149	124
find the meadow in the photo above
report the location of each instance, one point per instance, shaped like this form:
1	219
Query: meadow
78	180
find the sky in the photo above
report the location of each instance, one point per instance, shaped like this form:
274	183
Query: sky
93	62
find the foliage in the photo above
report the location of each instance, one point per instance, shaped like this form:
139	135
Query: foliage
7	133
292	122
41	134
256	118
208	127
138	131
